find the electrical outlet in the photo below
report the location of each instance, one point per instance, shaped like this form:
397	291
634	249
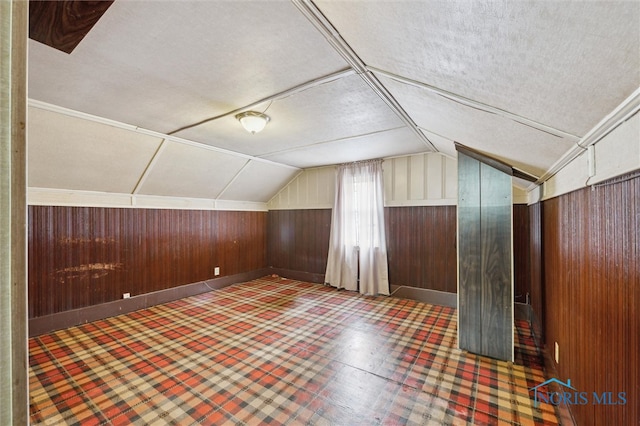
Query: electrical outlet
126	295
216	271
556	354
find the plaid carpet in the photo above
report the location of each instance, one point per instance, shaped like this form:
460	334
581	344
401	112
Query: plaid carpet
277	351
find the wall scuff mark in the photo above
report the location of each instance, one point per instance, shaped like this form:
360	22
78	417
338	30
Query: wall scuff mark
90	270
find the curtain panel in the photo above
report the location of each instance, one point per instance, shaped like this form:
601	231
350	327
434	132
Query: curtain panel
357	244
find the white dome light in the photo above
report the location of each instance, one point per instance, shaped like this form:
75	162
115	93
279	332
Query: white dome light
252	121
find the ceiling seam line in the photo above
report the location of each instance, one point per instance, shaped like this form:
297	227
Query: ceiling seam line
320	22
136	129
285	93
627	109
346	138
235	177
476	104
147	170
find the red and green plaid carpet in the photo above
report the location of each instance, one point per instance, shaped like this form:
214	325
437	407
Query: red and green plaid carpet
276	351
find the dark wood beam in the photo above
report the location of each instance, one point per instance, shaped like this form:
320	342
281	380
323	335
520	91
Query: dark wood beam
63	24
495	163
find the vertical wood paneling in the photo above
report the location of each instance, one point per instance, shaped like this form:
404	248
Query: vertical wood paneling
521	256
535	265
592	295
420	244
83	256
298	240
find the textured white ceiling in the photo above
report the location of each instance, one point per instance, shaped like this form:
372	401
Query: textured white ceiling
339	109
399	141
71	153
259	181
189	171
165	64
506	139
565	64
520	80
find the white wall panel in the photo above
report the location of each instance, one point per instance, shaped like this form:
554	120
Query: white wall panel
71	153
573	176
257	181
311	189
616	154
450	178
417	184
520	196
421	179
400	179
191	171
619	152
434	176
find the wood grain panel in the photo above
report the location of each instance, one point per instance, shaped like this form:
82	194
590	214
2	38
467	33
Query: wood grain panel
84	256
421	247
299	239
485	286
592	295
470	255
521	253
497	259
420	244
536	270
62	24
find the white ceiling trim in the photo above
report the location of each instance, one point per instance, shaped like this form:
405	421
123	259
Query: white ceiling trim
478	105
315	16
82	198
285	93
72	113
627	109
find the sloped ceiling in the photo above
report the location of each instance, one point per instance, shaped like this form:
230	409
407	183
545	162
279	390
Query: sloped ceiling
145	102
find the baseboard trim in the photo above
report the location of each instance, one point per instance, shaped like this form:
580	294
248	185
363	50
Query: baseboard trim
298	275
425	295
60	320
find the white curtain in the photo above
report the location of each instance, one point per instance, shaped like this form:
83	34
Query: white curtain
357	243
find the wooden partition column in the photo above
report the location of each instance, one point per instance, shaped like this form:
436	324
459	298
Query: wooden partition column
14	397
485	259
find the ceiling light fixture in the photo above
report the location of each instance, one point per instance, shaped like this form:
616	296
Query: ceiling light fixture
252	121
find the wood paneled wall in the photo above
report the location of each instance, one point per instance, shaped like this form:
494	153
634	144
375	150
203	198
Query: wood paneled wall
536	271
592	295
420	244
299	239
521	256
83	256
421	247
